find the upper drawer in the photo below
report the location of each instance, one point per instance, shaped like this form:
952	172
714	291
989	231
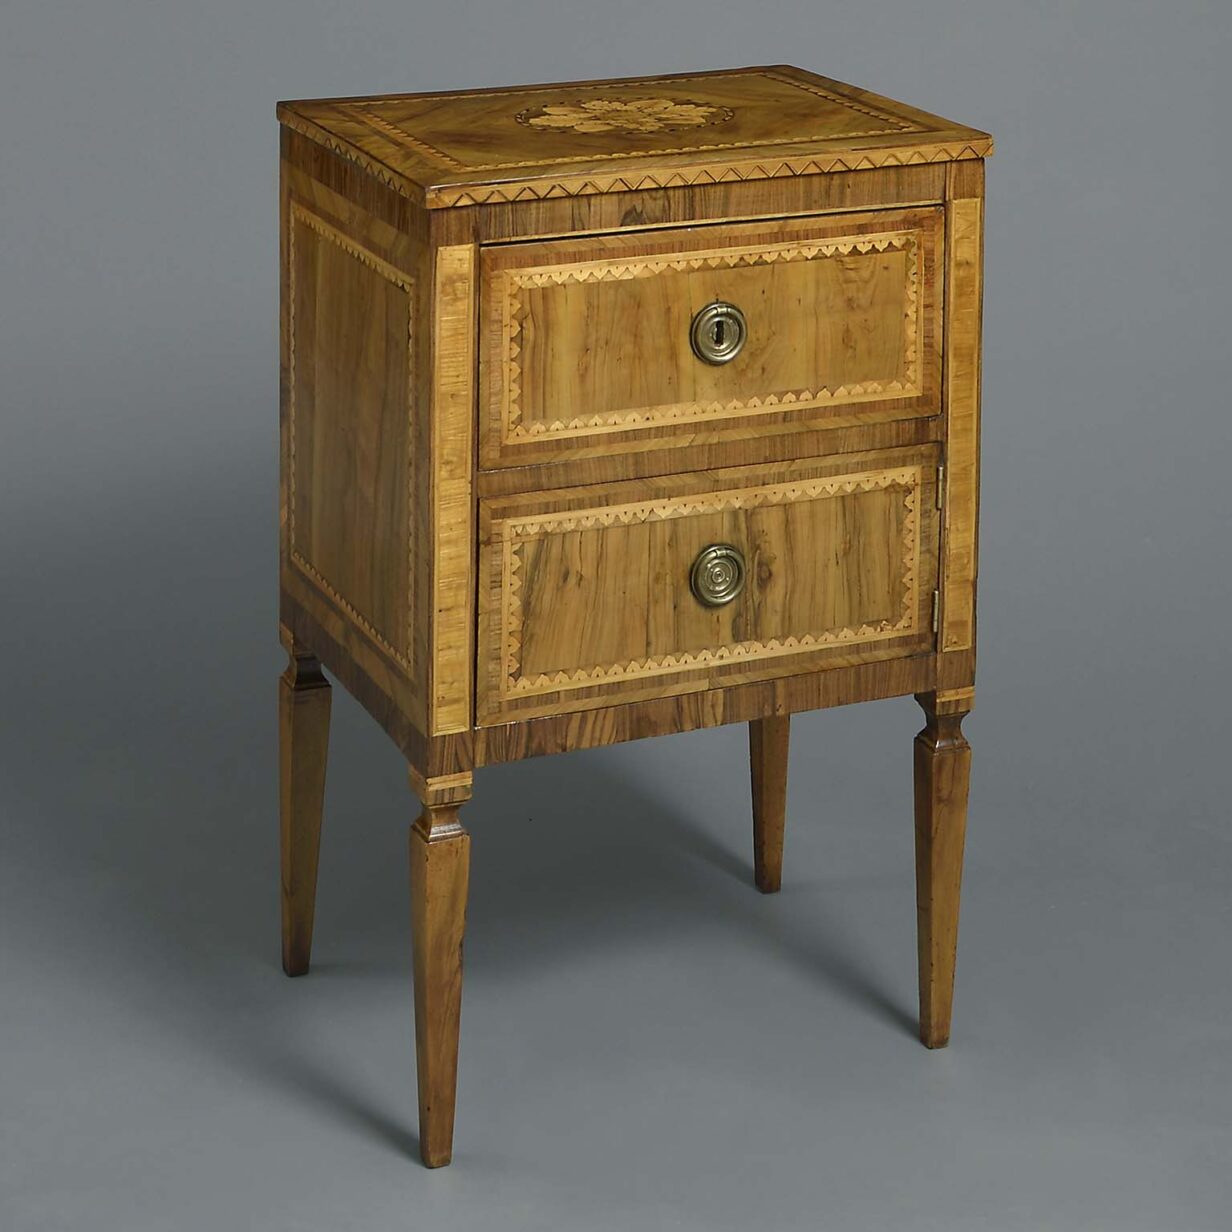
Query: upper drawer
588	345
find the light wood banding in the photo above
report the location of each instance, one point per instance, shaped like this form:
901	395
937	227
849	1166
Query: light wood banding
965	260
453	349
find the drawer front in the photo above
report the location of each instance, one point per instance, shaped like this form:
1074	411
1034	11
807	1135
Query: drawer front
588	345
590	596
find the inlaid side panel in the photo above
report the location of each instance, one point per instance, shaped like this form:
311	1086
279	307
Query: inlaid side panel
350	355
964	274
589	599
591	339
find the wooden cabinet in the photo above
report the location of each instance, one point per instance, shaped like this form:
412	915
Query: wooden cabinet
612	409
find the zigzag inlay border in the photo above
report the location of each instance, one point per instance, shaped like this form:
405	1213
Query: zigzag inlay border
298	213
514	310
400	135
387	175
513	532
444	196
876	113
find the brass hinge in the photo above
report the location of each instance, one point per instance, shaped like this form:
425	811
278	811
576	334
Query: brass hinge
936	609
940	485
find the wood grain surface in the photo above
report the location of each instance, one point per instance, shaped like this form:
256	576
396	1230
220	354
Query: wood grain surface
964	303
349	423
353	352
587	342
576	138
453	538
585	596
768	745
439	875
942	779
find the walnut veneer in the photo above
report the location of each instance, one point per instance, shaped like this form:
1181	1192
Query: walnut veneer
613	409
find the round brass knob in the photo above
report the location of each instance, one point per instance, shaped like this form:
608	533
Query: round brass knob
717	576
718	333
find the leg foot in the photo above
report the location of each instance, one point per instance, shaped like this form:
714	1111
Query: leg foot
303	730
440	866
768	739
942	776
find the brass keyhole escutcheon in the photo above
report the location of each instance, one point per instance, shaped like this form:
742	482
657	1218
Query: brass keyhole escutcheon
717	576
718	332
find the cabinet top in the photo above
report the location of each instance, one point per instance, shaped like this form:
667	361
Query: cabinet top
573	138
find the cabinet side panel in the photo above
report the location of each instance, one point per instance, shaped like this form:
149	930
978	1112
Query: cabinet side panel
964	289
352	303
352	350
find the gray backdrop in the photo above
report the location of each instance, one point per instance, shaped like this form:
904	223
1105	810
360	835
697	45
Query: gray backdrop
647	1042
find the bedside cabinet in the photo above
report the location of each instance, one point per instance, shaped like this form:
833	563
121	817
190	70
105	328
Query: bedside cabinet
614	409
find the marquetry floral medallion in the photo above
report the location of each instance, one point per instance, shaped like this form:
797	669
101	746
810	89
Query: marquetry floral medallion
637	115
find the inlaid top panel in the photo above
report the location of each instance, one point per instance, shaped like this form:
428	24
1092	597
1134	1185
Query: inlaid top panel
612	136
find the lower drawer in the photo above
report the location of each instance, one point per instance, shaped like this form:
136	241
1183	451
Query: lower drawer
617	592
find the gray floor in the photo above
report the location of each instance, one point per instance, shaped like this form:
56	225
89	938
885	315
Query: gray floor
647	1042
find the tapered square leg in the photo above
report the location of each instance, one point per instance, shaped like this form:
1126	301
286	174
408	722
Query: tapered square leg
942	777
303	733
768	741
440	870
